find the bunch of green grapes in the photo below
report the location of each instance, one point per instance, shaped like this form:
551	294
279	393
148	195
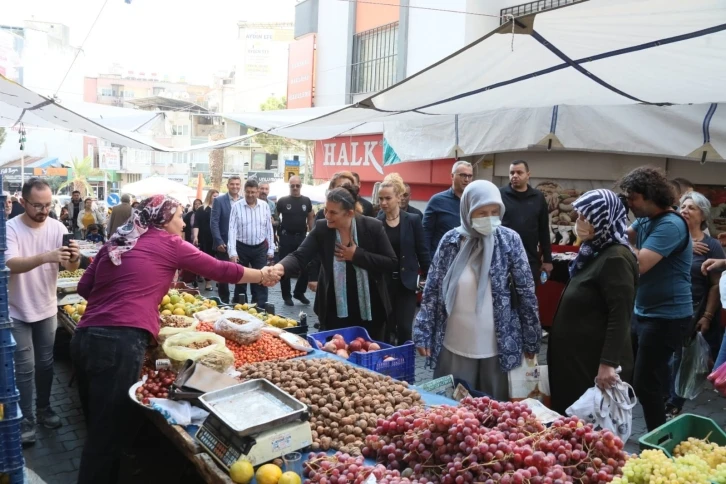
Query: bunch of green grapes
718	476
712	453
654	467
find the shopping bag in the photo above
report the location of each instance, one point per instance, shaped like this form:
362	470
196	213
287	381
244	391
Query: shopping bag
529	380
693	371
610	409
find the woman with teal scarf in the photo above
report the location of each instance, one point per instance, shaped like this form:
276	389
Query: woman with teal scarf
353	255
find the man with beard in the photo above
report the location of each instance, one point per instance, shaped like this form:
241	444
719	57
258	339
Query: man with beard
367	206
74	207
526	213
35	249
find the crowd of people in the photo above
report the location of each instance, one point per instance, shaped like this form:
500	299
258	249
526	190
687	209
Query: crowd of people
638	289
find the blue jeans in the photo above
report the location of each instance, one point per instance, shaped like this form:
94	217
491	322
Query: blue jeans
107	361
34	361
721	358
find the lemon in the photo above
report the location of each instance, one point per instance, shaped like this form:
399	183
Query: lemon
179	312
69	309
268	474
166	312
169	307
174	299
244	307
165	300
241	472
289	478
80	309
237	307
212	302
252	311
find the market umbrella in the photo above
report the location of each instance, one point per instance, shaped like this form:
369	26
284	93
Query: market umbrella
155	185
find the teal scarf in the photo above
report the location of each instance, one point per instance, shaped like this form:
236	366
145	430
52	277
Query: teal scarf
361	279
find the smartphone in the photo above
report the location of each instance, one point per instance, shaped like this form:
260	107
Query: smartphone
67	239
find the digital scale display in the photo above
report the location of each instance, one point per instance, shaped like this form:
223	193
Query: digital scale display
221	442
226	454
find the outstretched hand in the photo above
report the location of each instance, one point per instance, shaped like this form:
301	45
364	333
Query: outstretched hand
269	276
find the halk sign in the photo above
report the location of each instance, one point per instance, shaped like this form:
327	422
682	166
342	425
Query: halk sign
364	155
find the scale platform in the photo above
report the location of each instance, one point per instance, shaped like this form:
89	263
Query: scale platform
226	447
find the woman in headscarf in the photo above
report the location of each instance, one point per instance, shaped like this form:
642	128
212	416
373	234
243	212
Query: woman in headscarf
474	324
123	287
590	335
350	254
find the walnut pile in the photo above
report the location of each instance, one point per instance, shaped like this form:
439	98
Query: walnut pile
345	402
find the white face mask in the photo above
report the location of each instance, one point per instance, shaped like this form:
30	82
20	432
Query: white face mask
584	229
485	225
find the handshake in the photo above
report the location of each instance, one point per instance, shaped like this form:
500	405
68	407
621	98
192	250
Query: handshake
271	275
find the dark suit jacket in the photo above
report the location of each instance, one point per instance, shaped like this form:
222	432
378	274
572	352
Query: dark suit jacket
119	215
219	221
374	254
414	254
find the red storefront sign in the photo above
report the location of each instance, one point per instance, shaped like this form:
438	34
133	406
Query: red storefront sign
300	73
364	155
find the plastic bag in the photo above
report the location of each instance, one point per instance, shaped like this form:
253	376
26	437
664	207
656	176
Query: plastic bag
171	325
239	326
693	371
718	378
210	350
611	409
530	380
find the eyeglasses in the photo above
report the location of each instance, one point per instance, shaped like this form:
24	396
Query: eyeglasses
39	207
295	186
465	176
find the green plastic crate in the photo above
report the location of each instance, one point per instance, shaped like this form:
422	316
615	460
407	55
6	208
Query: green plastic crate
669	435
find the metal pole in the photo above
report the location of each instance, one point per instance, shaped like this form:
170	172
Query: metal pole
22	169
105	183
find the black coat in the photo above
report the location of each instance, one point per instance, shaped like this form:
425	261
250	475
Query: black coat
201	222
374	254
413	253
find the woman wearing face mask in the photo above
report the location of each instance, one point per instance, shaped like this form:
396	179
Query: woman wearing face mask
123	287
405	232
350	255
590	335
469	324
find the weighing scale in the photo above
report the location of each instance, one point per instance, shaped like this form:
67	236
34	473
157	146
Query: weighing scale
255	420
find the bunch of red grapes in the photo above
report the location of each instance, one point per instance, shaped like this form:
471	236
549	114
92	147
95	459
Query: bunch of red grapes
481	440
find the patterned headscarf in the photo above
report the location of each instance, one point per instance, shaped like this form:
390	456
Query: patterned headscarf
153	212
607	214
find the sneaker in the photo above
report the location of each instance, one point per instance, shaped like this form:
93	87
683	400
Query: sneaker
303	299
288	302
48	418
27	433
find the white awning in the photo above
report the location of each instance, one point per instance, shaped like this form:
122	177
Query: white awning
21	105
594	53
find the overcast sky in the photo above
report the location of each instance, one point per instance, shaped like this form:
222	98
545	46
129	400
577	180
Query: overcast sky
194	38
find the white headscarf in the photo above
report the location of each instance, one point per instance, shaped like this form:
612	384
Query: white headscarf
476	249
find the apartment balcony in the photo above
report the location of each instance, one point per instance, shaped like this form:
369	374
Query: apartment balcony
533	7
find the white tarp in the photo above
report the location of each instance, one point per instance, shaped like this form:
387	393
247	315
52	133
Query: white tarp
19	104
595	53
154	185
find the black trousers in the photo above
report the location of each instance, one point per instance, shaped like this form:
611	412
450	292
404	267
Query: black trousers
654	342
222	287
289	244
107	361
403	301
255	257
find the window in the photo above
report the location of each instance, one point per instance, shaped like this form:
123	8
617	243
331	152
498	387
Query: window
374	59
180	130
157	90
180	157
533	7
106	92
128	94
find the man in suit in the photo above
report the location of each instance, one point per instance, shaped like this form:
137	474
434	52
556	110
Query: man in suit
119	214
219	224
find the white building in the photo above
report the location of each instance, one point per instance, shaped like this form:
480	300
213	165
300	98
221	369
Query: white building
41	58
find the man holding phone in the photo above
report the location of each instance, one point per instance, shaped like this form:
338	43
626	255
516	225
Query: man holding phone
36	248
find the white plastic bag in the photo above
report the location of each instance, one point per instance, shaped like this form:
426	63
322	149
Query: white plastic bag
239	326
693	370
611	409
206	348
530	380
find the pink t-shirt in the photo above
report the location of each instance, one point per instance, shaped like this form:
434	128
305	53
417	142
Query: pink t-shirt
32	294
129	294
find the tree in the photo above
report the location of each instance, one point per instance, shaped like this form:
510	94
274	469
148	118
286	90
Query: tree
276	144
82	170
216	163
3	135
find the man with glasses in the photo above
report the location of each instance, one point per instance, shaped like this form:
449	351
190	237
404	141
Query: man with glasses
219	225
35	249
527	214
442	211
297	218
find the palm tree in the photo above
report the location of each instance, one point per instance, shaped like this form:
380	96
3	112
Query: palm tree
82	170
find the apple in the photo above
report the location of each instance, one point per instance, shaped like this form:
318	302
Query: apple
342	353
355	346
330	347
338	336
320	345
374	346
339	343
